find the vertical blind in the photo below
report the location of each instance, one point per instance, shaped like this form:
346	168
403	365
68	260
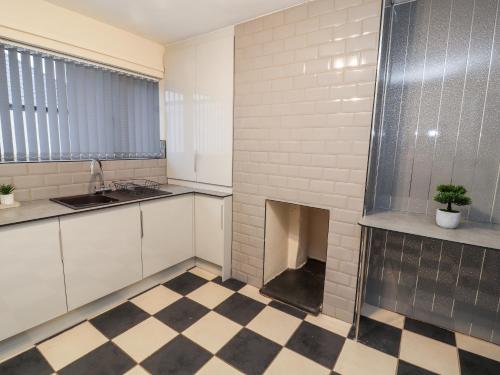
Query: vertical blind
53	108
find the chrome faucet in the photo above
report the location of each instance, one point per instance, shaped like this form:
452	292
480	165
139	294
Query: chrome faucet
96	164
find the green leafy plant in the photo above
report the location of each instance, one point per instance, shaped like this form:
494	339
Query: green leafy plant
452	194
6	189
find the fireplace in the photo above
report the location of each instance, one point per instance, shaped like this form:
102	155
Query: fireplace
295	250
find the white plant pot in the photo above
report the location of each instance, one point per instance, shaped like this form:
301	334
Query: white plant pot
7	199
448	220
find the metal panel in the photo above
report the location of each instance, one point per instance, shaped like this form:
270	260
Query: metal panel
375	266
408	117
407	280
390	272
399	40
429	104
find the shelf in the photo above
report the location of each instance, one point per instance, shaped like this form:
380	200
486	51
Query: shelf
469	233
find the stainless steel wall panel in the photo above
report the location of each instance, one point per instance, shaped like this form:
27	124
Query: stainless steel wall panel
474	92
429	105
427	279
407	280
467	287
391	269
392	102
375	266
408	115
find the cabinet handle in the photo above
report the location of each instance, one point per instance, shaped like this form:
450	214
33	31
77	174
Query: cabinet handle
142	226
222	217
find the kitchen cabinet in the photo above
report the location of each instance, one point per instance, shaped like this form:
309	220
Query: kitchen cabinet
167	233
101	252
31	276
213	217
199	108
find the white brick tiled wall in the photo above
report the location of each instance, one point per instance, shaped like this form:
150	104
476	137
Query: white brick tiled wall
304	87
54	179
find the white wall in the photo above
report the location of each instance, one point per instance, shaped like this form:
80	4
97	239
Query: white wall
38	23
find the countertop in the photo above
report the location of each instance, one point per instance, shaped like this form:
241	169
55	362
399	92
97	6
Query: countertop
470	233
44	208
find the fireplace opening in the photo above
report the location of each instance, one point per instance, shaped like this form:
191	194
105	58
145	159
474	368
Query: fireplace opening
296	242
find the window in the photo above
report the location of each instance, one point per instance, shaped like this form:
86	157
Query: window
53	108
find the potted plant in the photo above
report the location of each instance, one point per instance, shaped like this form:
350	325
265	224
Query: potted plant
450	194
7	194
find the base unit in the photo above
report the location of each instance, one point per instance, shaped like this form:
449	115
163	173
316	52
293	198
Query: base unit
31	276
167	233
101	252
213	216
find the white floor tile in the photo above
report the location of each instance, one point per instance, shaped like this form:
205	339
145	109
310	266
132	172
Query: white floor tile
430	354
384	316
217	367
212	331
331	324
156	299
137	370
145	338
203	273
210	294
274	324
290	363
358	359
253	292
70	345
479	347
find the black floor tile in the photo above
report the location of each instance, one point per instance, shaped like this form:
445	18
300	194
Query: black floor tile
182	314
431	331
288	309
179	356
232	284
302	288
317	344
249	352
473	364
240	308
30	362
405	368
377	335
120	319
185	283
107	359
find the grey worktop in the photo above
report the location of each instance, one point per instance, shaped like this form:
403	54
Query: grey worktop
470	233
44	208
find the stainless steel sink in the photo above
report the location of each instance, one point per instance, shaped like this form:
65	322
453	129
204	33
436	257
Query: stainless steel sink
78	202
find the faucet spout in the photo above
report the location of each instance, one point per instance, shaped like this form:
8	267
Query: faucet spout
96	170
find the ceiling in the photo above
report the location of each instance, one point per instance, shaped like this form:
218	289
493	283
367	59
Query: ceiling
167	21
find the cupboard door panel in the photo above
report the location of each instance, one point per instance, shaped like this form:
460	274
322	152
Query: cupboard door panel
31	276
209	229
101	251
167	233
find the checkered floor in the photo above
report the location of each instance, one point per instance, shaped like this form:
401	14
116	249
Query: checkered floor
196	324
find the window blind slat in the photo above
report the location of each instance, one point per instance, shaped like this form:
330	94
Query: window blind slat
109	125
149	119
50	84
17	106
100	112
116	140
41	108
7	145
93	142
124	118
83	133
131	119
138	116
29	106
72	90
155	124
62	109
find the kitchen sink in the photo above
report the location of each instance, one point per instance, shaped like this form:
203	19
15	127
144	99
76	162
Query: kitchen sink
77	202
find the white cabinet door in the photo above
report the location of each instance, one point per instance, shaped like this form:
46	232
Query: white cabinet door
214	110
31	276
179	98
101	252
199	108
167	232
209	228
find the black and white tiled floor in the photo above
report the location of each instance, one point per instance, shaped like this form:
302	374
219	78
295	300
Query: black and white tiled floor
196	324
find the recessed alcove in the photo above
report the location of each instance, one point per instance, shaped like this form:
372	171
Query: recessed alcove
296	242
